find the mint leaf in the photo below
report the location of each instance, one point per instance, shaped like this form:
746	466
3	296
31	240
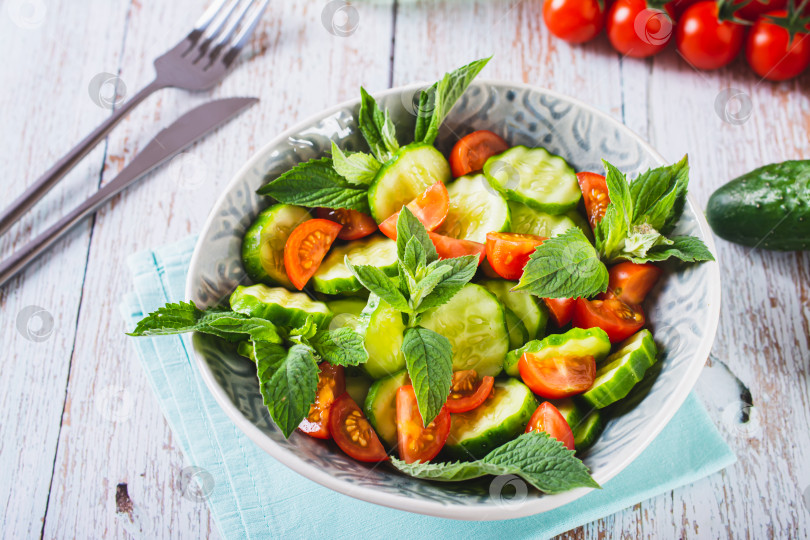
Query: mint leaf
659	195
456	471
340	347
429	359
356	167
408	227
414	257
642	238
377	128
317	183
564	266
611	231
441	97
377	282
268	357
422	288
462	270
291	388
685	248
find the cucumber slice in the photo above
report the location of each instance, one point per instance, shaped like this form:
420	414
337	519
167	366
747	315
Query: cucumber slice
534	177
498	420
475	209
526	220
358	385
474	322
346	312
383	329
587	431
412	170
334	277
518	335
576	342
263	244
381	406
570	410
622	370
533	314
279	306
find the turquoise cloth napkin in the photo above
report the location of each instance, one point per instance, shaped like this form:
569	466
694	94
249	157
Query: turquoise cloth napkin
254	496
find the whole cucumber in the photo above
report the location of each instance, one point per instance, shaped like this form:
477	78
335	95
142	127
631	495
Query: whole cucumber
768	207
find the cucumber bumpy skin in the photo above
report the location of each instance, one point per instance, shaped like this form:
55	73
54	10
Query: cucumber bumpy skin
263	243
279	306
576	342
768	207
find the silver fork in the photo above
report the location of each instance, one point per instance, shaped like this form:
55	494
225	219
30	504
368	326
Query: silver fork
201	60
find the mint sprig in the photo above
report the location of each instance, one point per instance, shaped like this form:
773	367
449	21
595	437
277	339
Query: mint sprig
291	388
429	360
377	128
357	168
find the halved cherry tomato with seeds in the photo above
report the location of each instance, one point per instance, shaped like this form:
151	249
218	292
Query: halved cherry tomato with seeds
473	150
449	248
352	431
630	282
430	207
560	309
468	391
617	319
355	224
306	247
547	418
595	195
416	441
556	377
331	383
508	253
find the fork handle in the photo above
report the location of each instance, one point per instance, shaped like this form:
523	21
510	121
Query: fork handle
49	179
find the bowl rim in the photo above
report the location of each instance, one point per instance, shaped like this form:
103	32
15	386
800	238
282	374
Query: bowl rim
476	512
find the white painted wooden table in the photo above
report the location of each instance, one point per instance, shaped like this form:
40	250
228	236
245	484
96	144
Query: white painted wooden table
78	422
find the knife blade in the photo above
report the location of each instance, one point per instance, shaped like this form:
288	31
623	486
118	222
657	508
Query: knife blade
184	131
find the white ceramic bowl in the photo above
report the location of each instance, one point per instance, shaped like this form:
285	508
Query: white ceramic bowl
683	308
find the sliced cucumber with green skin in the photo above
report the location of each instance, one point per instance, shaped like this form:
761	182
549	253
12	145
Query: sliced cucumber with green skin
346	312
263	244
587	431
358	385
334	277
498	420
534	177
279	306
518	335
383	330
533	314
622	370
412	170
475	323
381	406
526	220
570	410
475	209
576	342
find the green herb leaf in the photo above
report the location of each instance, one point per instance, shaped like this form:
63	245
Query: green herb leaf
357	168
414	256
268	357
428	283
409	227
317	183
611	231
429	359
340	347
440	98
462	270
564	266
685	248
642	238
377	282
456	471
303	333
291	388
377	128
659	194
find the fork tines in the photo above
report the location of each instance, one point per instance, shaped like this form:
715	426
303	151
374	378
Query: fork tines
221	25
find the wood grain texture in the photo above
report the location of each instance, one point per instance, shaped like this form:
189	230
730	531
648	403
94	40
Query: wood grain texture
76	414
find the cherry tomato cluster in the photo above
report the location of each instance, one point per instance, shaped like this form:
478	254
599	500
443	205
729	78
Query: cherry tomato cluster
709	34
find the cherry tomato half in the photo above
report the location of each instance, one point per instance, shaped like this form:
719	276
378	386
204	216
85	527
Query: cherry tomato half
547	418
630	282
306	247
430	207
595	195
473	150
636	30
555	377
353	433
508	253
468	391
704	41
617	319
575	21
560	309
772	55
355	224
448	248
416	441
331	384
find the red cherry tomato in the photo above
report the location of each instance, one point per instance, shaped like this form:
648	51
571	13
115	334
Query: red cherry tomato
306	247
547	418
448	248
331	383
430	207
772	55
355	224
561	310
555	377
508	253
595	195
755	8
416	441
473	150
352	432
617	319
575	21
468	391
630	282
636	30
704	41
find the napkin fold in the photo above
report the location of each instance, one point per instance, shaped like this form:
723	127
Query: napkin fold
251	495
